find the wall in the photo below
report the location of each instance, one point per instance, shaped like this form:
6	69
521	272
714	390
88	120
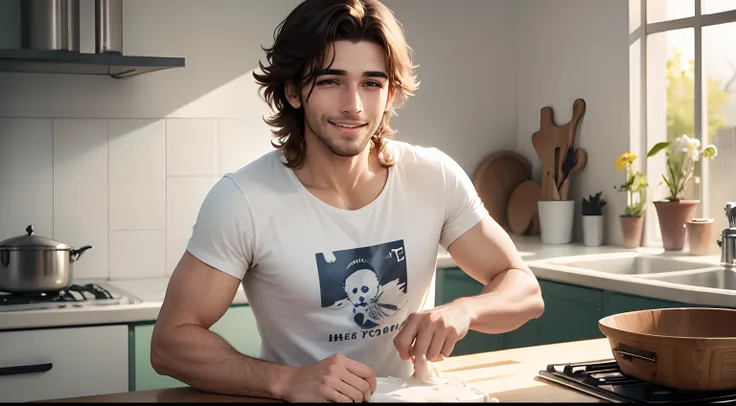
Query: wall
569	49
123	165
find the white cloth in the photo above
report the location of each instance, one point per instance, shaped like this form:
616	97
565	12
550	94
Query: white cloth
321	280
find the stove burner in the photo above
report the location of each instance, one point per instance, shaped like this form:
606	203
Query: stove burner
604	379
73	293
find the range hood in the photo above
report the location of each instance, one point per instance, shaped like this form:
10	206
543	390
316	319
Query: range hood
63	62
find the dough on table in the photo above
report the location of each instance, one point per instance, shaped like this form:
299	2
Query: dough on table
410	389
426	385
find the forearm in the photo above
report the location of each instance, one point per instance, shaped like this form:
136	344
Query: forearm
508	301
203	360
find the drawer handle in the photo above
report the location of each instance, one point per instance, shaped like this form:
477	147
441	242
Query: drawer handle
26	369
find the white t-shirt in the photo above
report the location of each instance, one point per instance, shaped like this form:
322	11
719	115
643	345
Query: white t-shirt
322	280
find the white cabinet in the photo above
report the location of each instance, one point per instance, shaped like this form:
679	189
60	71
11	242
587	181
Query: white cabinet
64	362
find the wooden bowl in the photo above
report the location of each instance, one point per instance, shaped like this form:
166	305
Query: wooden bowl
680	348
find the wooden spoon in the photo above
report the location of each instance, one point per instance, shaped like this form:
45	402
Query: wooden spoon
567	137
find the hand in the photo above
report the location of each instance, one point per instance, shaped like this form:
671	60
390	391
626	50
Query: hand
433	332
334	379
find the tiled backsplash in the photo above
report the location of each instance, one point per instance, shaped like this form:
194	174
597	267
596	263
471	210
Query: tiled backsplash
131	188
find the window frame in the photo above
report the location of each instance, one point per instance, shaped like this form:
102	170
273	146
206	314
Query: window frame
639	32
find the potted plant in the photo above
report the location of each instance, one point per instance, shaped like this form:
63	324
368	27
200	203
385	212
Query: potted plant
673	211
632	221
592	209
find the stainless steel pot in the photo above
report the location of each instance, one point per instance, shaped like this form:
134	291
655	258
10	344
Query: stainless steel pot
35	264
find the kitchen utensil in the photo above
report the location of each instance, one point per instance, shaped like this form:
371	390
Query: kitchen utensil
523	206
579	162
496	177
35	264
568	132
545	142
551	193
109	26
51	25
681	348
564	189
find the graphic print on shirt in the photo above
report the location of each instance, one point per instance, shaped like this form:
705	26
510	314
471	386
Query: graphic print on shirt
367	284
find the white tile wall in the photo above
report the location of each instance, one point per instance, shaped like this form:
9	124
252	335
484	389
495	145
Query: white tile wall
80	202
184	195
130	188
191	146
137	254
137	174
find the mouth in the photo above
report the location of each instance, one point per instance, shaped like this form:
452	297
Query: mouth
349	127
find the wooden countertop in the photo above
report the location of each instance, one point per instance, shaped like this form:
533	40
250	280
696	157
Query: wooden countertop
508	375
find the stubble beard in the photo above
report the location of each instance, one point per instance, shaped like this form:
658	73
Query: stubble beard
348	151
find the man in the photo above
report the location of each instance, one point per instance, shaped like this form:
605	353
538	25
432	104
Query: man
334	234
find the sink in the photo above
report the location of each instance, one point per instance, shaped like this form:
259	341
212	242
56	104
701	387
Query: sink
633	264
717	278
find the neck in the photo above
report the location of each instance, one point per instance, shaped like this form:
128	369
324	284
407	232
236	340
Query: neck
326	171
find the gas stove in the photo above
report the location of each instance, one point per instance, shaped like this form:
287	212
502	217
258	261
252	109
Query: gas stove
77	295
604	380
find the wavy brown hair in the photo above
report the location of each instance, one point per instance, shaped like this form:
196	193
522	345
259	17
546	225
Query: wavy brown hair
301	43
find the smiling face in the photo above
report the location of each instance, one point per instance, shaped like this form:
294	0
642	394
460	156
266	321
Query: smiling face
361	286
348	99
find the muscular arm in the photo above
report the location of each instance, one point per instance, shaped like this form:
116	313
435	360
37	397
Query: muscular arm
512	295
184	348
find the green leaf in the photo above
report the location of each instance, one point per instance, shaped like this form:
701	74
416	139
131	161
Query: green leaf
658	147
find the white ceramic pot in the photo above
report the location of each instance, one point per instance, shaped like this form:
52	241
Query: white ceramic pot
593	230
556	220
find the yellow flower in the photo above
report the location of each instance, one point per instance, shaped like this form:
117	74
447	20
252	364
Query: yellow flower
624	159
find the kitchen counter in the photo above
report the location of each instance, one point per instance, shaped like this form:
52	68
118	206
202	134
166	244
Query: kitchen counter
507	375
544	260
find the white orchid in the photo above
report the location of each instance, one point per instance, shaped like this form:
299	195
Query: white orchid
682	153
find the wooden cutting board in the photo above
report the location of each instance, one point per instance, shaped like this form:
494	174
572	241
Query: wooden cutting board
522	207
496	178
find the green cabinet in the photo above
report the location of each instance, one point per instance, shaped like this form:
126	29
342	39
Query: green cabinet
616	302
237	326
571	313
451	284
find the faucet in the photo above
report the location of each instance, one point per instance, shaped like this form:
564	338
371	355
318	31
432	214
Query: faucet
727	242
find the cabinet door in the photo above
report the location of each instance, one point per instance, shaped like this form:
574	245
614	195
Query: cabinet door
237	326
453	283
63	362
615	302
571	313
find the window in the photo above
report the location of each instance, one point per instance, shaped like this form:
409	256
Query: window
683	81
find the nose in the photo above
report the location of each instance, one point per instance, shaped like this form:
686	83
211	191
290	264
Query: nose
350	101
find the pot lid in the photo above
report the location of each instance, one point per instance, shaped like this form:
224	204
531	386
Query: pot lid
32	241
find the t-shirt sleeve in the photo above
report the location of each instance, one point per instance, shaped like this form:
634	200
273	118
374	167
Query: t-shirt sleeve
222	236
463	207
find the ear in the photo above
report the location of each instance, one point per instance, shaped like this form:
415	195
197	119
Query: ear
291	95
389	101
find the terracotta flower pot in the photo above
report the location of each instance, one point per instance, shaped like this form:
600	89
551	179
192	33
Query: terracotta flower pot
672	216
633	229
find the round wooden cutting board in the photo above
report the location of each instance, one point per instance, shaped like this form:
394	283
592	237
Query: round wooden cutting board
522	210
496	178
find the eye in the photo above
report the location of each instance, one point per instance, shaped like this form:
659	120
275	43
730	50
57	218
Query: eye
355	290
374	84
326	82
364	289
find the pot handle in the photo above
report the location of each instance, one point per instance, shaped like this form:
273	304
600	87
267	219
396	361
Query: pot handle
76	253
629	352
